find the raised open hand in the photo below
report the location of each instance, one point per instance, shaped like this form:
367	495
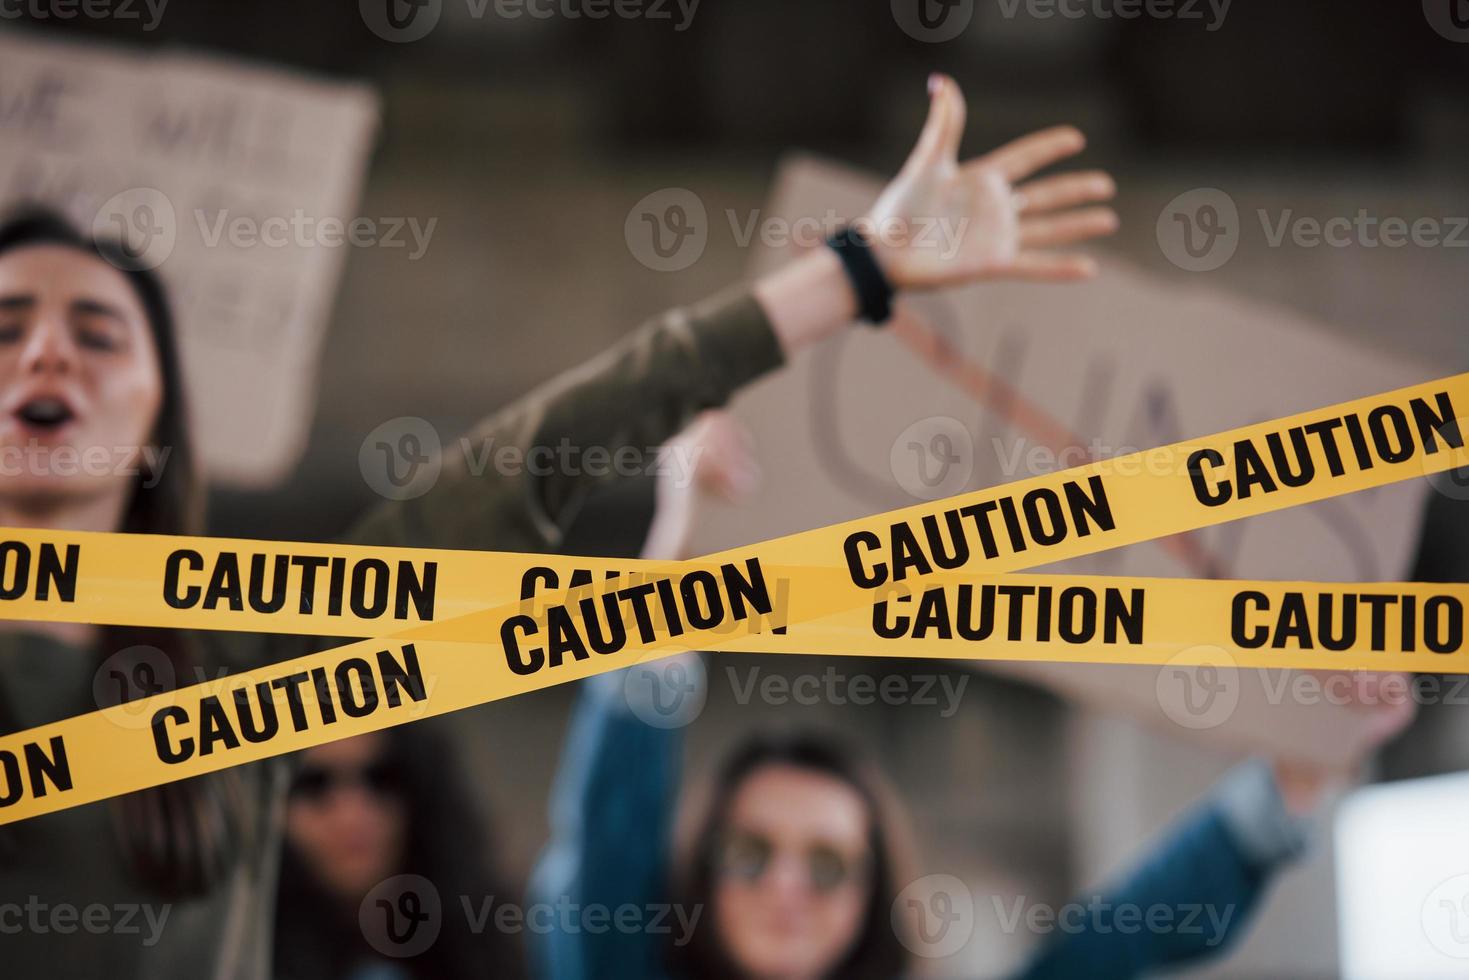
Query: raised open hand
1382	707
942	223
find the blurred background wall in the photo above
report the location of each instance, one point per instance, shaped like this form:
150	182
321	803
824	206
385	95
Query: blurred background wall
529	141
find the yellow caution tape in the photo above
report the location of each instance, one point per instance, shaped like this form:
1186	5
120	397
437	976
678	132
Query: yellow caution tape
450	629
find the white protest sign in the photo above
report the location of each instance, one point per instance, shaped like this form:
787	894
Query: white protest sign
238	183
1003	381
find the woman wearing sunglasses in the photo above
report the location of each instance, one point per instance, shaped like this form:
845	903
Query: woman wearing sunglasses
796	864
89	365
361	812
375	818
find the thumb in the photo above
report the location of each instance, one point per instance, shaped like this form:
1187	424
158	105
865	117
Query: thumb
938	144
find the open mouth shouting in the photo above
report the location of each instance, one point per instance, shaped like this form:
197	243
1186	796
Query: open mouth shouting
44	417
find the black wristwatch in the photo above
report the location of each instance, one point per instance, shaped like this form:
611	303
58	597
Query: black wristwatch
874	292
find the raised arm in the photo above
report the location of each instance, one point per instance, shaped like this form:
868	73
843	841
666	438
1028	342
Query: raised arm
646	388
1205	879
611	822
617	785
1191	897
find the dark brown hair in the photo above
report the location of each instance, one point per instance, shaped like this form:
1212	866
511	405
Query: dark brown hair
878	953
446	842
182	837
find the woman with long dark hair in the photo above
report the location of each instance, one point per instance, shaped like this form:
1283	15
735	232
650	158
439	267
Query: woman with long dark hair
370	819
380	820
89	359
88	362
801	794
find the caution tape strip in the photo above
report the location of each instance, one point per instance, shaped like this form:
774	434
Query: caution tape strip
450	629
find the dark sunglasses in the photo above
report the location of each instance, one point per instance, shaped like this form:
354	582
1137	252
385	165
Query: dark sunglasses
314	783
748	856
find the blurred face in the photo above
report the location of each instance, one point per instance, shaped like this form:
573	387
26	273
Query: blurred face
793	874
78	372
346	817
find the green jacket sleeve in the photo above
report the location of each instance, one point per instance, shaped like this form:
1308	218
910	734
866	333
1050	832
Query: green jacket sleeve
528	471
636	394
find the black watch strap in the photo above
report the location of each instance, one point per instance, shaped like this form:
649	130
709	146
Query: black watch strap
874	292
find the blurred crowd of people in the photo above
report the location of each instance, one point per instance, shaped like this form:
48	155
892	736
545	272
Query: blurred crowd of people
795	862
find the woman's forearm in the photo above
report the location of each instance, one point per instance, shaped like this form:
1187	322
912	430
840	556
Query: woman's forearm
807	300
518	479
1203	881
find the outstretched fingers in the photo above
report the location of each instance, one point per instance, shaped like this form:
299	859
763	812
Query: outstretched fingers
1051	267
1065	191
1020	158
939	142
1067	227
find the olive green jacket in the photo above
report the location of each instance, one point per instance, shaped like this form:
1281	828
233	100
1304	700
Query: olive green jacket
69	906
